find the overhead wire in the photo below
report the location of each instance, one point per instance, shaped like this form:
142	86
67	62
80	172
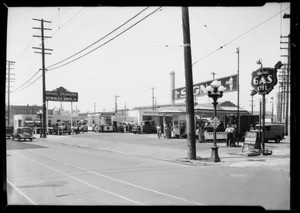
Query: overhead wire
104	42
221	47
99	39
19	88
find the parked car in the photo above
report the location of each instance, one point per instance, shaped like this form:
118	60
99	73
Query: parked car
273	131
9	131
61	128
23	133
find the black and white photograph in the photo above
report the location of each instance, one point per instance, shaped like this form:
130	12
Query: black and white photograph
159	105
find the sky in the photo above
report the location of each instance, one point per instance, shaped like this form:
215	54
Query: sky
142	56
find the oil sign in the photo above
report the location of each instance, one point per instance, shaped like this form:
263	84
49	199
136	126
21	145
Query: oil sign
264	80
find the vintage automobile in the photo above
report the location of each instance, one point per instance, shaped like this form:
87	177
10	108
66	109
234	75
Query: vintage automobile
273	131
60	128
23	133
9	131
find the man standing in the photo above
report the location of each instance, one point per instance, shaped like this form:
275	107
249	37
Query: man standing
158	129
229	135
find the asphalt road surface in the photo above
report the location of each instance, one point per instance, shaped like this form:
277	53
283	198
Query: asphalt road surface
52	172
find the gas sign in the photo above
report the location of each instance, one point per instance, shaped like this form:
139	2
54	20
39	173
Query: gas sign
264	80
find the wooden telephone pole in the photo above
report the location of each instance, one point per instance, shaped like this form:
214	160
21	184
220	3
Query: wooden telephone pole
42	36
9	68
191	136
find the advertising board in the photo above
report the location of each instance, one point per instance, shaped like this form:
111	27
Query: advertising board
62	95
199	89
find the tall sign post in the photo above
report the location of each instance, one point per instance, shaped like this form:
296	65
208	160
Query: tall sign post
263	82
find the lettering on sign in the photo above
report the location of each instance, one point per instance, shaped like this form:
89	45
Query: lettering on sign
199	89
251	142
264	80
61	94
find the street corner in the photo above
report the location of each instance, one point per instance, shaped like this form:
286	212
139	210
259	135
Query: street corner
199	161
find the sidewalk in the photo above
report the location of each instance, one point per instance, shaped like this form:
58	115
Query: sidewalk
229	156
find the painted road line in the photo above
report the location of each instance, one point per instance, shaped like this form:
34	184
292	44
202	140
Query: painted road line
120	196
20	192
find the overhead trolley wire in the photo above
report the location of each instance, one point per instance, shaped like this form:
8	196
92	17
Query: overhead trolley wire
19	88
103	43
221	47
99	39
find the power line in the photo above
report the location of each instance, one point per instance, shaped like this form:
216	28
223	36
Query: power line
99	39
105	42
19	88
221	47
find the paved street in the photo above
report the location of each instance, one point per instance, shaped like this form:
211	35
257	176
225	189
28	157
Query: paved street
128	169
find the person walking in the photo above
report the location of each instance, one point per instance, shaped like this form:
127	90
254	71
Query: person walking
201	132
229	135
158	129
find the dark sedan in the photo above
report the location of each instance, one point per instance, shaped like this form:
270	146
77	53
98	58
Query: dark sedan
23	133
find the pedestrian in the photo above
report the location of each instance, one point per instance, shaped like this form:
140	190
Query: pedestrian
201	132
173	132
165	130
229	135
158	129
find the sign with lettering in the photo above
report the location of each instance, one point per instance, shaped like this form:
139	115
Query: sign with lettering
215	122
264	80
61	94
199	89
251	142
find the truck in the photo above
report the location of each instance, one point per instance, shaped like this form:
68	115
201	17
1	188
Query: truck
273	131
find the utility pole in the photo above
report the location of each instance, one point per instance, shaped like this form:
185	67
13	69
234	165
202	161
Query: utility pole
125	110
213	74
8	89
190	117
94	107
42	36
238	96
153	108
272	109
116	104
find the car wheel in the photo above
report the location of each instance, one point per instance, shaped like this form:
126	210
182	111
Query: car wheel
277	139
30	139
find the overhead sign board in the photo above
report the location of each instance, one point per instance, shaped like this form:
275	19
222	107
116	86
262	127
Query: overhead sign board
199	89
61	94
264	80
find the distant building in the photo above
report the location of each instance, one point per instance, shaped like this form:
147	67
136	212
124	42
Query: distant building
23	110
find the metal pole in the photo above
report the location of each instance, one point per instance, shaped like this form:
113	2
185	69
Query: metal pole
263	123
214	154
191	137
272	110
260	120
238	97
47	119
72	117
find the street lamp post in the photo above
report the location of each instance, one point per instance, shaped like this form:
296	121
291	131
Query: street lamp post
215	91
40	114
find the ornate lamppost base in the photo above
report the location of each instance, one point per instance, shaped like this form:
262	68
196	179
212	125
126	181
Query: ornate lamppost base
214	154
